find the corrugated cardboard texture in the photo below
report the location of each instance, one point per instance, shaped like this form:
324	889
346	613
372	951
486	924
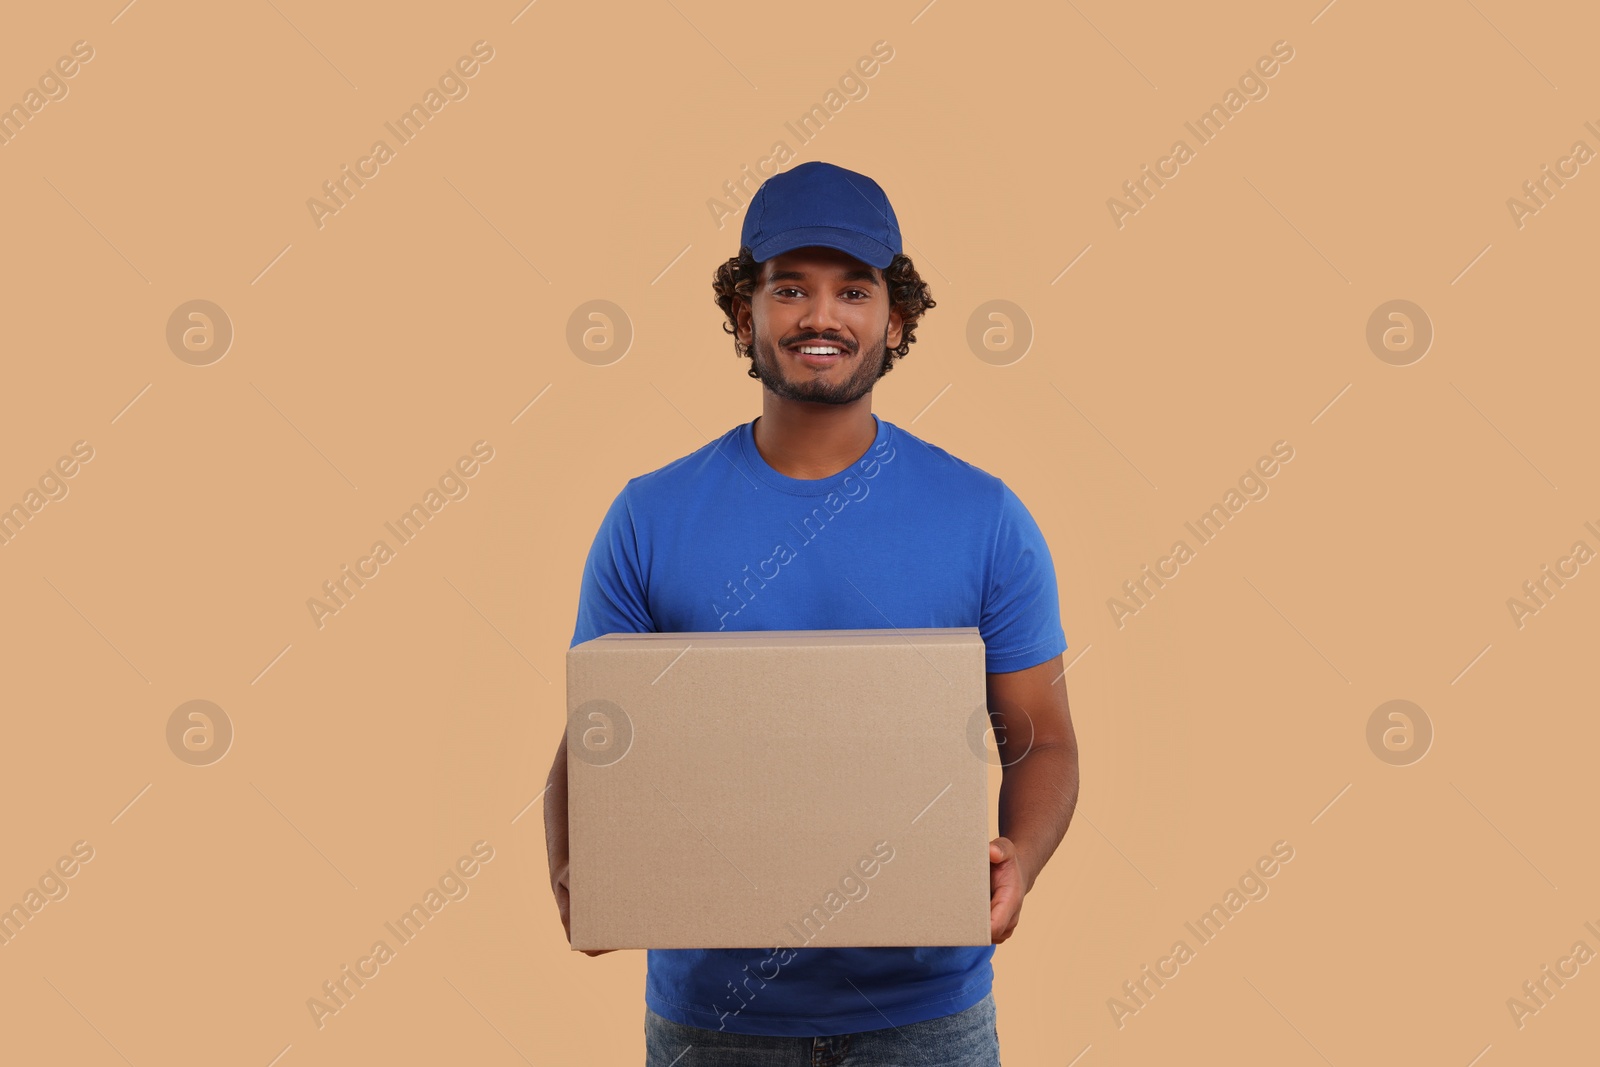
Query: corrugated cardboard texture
801	788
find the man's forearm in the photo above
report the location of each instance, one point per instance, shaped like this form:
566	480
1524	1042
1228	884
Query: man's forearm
555	812
1037	798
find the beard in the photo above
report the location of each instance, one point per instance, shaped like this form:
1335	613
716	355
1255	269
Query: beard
810	386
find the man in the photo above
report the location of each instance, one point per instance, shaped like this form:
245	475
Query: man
820	515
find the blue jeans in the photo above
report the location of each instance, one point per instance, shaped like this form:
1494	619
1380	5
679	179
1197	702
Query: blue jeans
965	1039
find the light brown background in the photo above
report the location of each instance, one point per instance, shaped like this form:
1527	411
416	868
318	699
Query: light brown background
369	354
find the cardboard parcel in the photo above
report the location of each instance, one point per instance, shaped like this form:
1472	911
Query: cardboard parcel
781	788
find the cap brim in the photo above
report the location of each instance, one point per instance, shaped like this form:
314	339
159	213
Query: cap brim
864	248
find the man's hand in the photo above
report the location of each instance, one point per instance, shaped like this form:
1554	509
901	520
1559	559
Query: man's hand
1040	790
555	838
564	905
1005	889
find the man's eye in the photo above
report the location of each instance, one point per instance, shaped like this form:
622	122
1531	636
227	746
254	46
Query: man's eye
785	289
861	292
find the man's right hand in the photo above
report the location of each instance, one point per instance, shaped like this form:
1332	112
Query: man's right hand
555	837
564	905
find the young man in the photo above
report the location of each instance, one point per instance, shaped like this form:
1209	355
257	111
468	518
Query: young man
819	515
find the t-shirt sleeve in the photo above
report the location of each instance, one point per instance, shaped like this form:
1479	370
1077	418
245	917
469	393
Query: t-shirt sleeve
1021	623
612	597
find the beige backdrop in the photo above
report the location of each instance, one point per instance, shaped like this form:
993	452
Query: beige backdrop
233	456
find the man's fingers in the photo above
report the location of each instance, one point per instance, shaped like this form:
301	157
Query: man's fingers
564	905
1005	902
1005	905
999	850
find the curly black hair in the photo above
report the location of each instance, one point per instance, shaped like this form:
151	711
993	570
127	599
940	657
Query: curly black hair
735	280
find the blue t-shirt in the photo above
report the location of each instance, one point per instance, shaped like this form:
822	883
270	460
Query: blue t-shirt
907	536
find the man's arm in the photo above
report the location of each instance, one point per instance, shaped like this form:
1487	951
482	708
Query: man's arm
1039	752
611	599
555	838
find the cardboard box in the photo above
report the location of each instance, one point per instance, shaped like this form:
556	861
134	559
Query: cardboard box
798	788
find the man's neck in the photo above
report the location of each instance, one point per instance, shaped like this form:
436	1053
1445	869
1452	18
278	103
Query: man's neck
803	440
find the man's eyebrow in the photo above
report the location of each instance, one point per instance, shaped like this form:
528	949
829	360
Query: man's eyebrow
860	274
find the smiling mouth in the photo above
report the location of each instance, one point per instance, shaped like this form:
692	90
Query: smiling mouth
818	353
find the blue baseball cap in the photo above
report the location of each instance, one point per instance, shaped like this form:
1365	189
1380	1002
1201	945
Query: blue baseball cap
821	204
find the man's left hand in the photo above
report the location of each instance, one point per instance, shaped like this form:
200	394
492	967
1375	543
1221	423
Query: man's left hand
1005	889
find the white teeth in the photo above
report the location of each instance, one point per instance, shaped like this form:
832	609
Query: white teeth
820	351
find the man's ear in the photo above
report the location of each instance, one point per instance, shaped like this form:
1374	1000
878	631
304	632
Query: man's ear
741	314
896	328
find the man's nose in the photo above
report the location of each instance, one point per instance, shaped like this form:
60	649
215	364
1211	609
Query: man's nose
821	315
